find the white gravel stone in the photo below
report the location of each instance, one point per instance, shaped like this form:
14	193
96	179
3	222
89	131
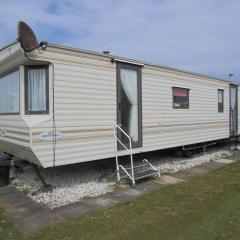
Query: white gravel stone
171	164
71	184
76	182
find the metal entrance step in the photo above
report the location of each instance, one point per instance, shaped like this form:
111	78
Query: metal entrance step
133	170
136	165
141	169
146	174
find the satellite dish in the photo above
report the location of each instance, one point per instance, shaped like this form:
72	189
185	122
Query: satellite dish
26	37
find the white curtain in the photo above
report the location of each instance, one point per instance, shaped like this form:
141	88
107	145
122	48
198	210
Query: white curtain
233	98
9	93
129	84
220	96
36	90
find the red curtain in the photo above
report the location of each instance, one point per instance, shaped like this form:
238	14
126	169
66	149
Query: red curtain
180	92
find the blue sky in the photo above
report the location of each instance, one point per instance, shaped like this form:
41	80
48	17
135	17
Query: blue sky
201	36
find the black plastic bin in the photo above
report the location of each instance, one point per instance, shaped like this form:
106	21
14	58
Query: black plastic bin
4	170
4	175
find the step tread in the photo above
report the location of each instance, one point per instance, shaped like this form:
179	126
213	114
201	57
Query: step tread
145	174
139	164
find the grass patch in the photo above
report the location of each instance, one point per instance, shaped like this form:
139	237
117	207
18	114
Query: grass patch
205	207
7	229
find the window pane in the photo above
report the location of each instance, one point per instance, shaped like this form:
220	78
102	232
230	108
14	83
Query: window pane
129	101
180	92
37	90
180	97
233	95
220	100
9	93
220	96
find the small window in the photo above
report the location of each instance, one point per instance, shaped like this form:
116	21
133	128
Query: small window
220	100
36	90
180	98
9	93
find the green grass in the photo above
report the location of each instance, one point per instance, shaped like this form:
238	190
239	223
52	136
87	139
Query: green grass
7	229
205	207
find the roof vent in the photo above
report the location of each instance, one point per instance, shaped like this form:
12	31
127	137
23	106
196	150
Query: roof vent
106	52
231	76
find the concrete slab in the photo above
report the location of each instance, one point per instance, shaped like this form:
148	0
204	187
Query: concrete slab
123	195
132	192
27	214
119	197
6	191
24	210
224	161
37	221
73	210
103	202
212	165
165	180
183	174
148	186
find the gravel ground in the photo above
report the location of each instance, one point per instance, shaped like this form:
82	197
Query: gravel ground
71	184
76	182
173	164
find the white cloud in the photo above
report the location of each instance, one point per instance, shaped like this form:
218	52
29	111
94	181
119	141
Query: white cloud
201	36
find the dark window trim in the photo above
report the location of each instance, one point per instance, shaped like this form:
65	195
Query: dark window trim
174	107
139	76
220	109
26	89
5	74
236	108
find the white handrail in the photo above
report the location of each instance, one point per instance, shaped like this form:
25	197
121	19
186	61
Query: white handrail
145	160
122	144
116	140
129	138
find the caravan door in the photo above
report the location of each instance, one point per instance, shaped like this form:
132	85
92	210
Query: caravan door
233	110
129	103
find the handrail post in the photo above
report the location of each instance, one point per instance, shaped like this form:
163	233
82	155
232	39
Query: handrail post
116	153
131	157
130	151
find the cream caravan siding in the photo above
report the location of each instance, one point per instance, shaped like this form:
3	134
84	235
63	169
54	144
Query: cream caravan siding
167	127
14	132
85	107
16	138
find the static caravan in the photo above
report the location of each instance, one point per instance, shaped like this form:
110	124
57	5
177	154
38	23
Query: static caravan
61	105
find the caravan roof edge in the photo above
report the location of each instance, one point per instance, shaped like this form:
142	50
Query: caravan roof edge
8	45
129	60
137	62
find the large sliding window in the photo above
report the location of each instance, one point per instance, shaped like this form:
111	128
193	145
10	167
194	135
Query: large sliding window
9	93
36	90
